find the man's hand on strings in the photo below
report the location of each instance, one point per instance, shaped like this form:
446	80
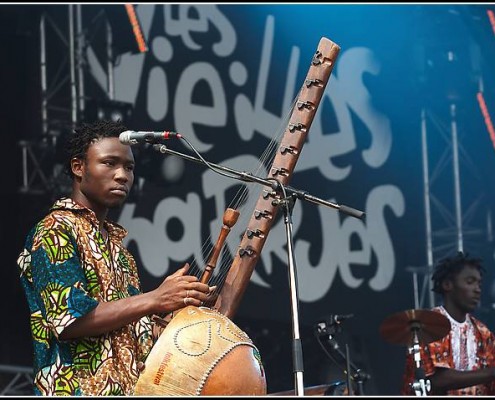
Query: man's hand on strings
179	290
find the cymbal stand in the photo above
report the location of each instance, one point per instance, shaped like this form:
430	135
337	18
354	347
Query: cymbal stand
421	385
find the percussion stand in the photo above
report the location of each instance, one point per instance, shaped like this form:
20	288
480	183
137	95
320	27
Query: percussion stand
421	385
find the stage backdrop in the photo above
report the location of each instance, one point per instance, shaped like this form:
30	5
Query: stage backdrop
226	77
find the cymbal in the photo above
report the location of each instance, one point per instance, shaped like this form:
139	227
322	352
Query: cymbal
429	325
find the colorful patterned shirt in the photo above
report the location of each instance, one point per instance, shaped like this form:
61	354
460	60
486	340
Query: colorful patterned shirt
468	346
66	269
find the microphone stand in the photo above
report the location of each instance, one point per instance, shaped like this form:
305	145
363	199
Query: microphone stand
358	375
289	197
247	177
297	353
348	368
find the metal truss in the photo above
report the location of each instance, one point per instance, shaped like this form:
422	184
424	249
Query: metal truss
453	221
448	70
17	380
63	67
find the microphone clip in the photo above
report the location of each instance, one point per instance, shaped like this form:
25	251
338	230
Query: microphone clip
161	148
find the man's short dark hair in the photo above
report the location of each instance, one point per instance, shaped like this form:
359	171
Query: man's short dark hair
449	267
78	142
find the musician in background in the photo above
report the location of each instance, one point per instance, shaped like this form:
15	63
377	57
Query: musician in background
462	362
91	324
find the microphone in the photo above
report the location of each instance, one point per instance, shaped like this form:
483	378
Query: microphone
331	323
133	137
339	318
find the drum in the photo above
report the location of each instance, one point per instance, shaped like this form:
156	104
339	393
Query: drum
202	352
